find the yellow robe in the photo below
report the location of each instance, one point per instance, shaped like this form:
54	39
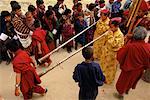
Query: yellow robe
113	42
101	27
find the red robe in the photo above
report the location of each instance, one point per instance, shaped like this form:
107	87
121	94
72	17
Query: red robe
67	33
39	37
134	58
29	78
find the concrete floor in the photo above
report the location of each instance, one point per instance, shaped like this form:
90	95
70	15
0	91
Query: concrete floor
60	84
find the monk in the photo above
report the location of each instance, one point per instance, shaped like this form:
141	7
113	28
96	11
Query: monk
142	12
39	44
134	58
27	79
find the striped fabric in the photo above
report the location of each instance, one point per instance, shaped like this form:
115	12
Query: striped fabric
20	26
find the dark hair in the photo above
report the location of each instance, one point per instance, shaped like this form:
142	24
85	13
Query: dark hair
78	4
5	14
50	7
13	2
48	13
87	53
31	8
67	11
115	23
38	2
16	7
101	1
12	45
91	6
37	23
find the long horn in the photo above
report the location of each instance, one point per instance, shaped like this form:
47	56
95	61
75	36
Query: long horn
47	55
65	59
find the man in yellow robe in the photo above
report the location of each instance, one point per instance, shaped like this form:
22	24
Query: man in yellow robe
101	27
113	41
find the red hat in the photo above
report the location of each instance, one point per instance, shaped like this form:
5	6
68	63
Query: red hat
117	19
105	11
144	6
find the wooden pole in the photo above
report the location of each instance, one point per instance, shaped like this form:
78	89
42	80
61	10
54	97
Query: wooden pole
47	55
134	16
135	3
132	21
65	59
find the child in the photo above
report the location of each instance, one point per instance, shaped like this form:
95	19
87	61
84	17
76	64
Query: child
89	76
79	26
67	33
32	9
51	25
40	10
39	44
27	79
78	9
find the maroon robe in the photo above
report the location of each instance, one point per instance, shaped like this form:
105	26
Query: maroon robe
134	58
39	37
29	78
67	33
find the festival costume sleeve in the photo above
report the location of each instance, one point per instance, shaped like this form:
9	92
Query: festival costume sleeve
115	41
